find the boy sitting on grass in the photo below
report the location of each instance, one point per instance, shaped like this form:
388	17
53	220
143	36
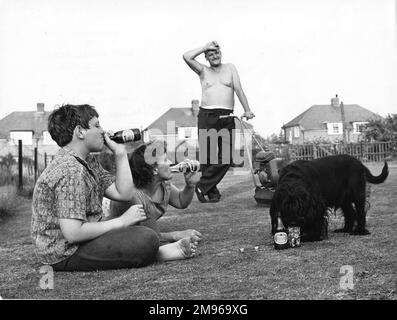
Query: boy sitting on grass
67	227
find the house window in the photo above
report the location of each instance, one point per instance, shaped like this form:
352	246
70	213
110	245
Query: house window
296	132
187	133
335	128
359	127
25	136
47	138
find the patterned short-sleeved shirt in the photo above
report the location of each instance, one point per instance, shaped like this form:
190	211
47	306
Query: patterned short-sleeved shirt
69	188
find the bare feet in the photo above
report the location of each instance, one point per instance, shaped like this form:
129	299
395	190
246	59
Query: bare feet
184	248
188	247
194	234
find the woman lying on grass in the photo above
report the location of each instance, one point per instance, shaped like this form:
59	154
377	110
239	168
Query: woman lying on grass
67	227
155	191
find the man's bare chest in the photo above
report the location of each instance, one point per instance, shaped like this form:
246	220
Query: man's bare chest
212	78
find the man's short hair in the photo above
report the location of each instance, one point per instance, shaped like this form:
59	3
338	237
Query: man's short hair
63	120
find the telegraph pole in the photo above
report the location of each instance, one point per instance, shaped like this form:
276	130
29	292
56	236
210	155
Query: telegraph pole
344	129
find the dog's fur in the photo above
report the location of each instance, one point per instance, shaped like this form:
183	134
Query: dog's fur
307	188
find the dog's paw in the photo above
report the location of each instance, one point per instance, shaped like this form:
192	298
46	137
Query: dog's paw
360	232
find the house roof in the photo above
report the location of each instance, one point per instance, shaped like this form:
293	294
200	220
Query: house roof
183	117
38	121
318	115
24	121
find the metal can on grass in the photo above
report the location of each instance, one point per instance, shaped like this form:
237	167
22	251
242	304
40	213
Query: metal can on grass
294	237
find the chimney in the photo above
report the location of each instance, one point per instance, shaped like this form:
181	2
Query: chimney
40	107
195	107
335	101
344	124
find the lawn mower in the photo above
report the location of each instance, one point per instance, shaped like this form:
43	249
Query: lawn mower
265	177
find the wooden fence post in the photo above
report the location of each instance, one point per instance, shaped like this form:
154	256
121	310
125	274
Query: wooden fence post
35	164
20	171
361	150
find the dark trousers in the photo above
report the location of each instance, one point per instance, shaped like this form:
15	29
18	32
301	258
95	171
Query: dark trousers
132	247
216	146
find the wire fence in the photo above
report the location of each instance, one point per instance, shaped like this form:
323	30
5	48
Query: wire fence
365	151
26	168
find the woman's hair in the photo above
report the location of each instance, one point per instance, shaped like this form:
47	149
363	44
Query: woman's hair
63	120
142	172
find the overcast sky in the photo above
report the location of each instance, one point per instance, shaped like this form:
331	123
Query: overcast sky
125	56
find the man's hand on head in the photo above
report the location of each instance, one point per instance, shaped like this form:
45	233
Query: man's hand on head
213	45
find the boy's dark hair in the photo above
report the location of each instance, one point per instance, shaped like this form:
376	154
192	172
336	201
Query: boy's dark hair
142	172
63	120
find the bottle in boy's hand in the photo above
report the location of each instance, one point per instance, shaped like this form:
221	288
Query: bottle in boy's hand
128	135
186	166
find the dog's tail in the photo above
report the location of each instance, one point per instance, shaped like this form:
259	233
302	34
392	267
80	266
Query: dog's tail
377	179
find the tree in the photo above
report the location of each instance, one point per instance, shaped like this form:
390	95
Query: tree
276	139
6	172
382	129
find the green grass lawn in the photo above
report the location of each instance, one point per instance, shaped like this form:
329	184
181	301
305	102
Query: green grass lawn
221	271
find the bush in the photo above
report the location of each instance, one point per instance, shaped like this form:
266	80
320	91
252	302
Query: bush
9	174
6	175
26	191
8	201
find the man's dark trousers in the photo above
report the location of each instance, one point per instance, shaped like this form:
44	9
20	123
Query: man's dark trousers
216	156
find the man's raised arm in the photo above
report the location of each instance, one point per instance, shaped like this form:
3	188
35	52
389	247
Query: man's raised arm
190	56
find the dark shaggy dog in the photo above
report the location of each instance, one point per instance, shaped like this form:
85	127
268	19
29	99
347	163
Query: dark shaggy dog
306	188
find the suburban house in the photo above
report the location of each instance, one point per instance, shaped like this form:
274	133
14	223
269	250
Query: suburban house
31	128
178	128
329	123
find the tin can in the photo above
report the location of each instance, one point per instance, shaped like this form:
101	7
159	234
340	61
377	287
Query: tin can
294	237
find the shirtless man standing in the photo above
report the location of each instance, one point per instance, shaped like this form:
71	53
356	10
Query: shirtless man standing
219	82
